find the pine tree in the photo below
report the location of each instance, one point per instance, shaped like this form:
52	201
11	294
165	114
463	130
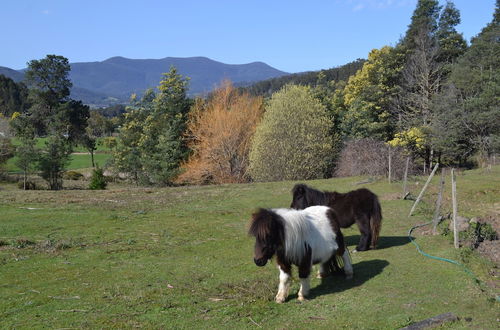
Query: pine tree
469	105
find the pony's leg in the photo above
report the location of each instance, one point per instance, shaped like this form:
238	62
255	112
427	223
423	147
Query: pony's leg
347	264
363	223
304	288
284	285
323	270
305	267
304	272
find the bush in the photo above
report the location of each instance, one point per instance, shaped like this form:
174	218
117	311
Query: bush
30	185
220	131
98	180
72	175
293	141
371	157
478	232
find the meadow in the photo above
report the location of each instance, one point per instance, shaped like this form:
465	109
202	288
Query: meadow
80	158
180	257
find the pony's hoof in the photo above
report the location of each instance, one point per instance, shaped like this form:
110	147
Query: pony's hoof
302	298
355	250
348	276
322	275
280	300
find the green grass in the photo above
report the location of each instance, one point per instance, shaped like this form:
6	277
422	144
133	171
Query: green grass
40	143
79	159
181	258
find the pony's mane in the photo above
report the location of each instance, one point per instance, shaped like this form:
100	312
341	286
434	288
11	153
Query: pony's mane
263	223
297	230
312	195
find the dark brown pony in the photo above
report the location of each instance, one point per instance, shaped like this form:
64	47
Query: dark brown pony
359	206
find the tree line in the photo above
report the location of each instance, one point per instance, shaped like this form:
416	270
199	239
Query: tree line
431	97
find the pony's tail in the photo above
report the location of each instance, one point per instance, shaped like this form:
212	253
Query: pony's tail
375	222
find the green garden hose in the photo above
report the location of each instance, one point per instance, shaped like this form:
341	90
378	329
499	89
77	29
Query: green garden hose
443	259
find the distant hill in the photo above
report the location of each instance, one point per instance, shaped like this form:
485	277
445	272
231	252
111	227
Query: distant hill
115	79
15	75
112	81
269	86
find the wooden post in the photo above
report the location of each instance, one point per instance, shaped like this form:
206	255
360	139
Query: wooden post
435	220
405	179
454	200
390	164
423	189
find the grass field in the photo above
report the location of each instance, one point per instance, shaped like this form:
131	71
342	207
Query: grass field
79	159
181	258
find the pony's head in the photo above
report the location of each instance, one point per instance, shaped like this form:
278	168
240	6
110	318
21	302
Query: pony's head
268	229
299	201
304	196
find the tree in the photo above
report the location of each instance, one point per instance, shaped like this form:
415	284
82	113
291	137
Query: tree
369	94
220	129
54	114
49	83
422	79
6	148
13	97
470	101
53	160
151	145
163	145
293	141
430	45
127	154
451	43
99	125
97	181
27	157
425	18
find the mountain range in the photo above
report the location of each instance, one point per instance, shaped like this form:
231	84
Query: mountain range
113	80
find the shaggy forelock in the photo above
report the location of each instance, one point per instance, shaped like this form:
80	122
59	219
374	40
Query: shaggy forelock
260	225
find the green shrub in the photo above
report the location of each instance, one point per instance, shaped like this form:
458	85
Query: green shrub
293	141
98	180
30	185
72	175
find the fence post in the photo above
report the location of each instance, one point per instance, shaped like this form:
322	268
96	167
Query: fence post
390	164
423	189
435	220
454	200
405	179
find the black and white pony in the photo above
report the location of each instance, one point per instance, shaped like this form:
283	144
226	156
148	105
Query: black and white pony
359	206
301	238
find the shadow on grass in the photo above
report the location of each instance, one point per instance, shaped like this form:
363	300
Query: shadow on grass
363	272
384	242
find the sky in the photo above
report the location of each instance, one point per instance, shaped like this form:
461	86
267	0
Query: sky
290	35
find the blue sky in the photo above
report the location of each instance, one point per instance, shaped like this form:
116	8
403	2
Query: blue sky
291	35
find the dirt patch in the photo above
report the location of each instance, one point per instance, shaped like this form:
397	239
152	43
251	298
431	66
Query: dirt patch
491	249
391	196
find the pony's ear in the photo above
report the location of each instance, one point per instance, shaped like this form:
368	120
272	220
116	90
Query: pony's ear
298	189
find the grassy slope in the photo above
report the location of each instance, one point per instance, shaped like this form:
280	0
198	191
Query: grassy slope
181	258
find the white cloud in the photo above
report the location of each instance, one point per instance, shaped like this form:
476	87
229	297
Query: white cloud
45	11
358	7
378	4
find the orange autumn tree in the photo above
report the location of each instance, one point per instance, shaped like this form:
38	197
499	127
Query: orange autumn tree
220	129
